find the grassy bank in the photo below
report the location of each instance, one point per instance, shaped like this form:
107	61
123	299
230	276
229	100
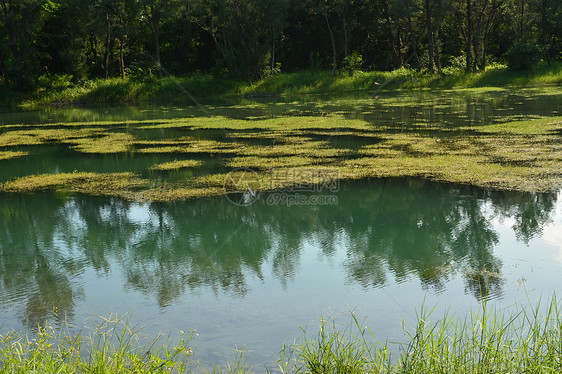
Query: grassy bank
521	340
179	90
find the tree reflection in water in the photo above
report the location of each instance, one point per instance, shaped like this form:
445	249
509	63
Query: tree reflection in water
396	228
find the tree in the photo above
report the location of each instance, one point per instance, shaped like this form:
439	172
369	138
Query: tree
21	21
429	30
237	28
406	10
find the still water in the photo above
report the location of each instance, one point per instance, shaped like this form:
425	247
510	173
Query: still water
249	277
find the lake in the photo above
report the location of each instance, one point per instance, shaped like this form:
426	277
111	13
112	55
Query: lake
249	274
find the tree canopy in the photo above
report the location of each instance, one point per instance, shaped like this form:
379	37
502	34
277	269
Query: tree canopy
250	38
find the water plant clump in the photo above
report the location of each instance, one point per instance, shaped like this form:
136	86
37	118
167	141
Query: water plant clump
8	155
113	184
175	165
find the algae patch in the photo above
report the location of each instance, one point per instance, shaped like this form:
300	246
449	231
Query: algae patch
174	165
113	184
522	155
8	155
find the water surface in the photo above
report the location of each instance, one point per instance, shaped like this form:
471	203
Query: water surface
249	276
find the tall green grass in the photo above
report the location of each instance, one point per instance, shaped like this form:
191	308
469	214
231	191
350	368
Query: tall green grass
488	340
526	340
111	346
132	91
180	90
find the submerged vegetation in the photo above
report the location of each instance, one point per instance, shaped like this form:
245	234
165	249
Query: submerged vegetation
521	153
489	340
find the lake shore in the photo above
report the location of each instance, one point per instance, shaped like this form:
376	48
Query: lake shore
184	90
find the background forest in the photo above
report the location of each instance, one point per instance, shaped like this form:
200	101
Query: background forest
83	39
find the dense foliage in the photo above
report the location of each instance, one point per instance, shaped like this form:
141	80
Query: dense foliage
250	38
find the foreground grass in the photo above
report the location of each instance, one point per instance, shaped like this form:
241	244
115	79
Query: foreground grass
524	340
178	90
112	346
528	340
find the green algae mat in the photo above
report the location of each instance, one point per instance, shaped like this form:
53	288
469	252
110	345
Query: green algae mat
493	139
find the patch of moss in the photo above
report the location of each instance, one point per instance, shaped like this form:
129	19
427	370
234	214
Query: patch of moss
272	124
110	143
8	155
524	155
174	165
177	193
265	163
542	126
113	184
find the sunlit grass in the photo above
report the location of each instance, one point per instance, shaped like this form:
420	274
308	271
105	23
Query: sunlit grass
110	346
488	340
518	339
170	89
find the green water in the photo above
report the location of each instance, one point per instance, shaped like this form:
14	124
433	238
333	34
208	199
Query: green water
248	277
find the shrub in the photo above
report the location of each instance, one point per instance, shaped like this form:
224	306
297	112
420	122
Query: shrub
522	56
353	62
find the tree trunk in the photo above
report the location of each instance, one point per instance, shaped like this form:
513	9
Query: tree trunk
437	54
429	28
122	48
122	56
333	40
521	20
469	30
187	44
345	37
482	64
12	37
543	31
413	44
157	45
484	52
93	54
154	20
107	47
2	71
272	51
397	48
476	51
397	60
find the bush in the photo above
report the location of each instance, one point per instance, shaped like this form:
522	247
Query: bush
51	82
353	62
522	56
